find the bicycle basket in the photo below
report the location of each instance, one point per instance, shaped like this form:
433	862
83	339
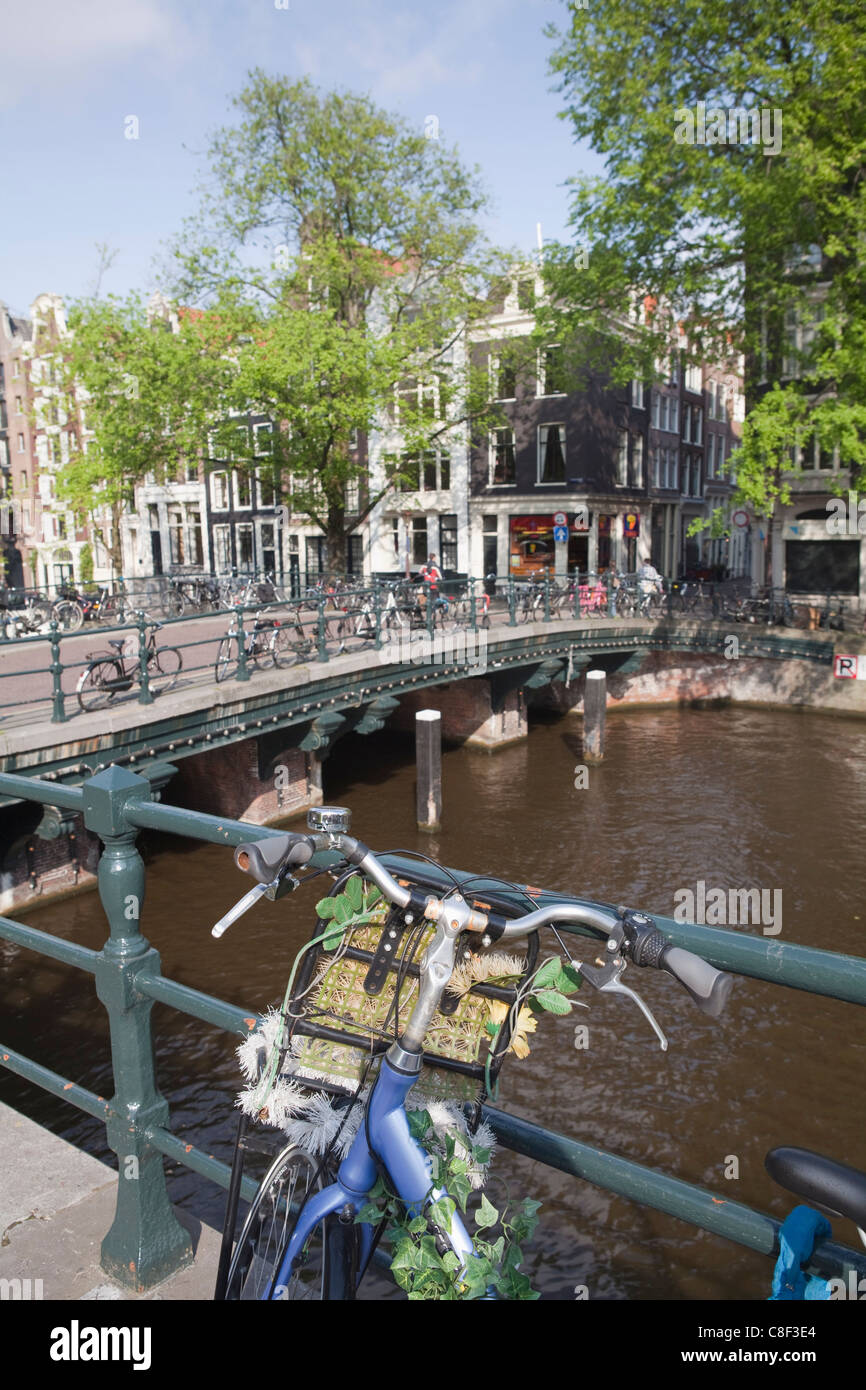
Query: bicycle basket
351	1001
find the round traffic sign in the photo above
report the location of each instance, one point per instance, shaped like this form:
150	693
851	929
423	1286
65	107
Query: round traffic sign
560	519
741	518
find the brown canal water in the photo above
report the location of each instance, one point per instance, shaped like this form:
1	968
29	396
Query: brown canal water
733	798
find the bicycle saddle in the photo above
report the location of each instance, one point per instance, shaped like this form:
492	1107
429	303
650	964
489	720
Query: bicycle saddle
842	1190
117	643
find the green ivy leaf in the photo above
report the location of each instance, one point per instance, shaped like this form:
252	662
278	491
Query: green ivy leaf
326	909
486	1215
369	1214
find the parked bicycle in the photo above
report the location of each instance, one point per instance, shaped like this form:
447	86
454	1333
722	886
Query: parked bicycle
109	674
270	641
315	1221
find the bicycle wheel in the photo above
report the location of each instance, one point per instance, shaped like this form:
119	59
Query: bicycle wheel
285	648
174	604
96	686
163	669
270	1221
68	615
226	662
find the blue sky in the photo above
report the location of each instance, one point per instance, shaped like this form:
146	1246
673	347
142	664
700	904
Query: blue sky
74	70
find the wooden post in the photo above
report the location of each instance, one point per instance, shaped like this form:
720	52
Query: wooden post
594	708
428	756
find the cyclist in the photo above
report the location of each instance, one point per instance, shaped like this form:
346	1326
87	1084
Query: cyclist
430	575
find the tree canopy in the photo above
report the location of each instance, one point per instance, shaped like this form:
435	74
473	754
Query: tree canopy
753	246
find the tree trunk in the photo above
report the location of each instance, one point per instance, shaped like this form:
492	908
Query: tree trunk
335	541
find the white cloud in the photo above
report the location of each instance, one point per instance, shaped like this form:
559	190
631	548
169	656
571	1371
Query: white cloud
58	40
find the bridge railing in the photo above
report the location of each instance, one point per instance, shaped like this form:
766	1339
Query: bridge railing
146	1243
273	629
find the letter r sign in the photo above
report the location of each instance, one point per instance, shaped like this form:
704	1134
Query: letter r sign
845	667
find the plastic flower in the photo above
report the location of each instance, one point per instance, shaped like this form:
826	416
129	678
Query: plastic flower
526	1024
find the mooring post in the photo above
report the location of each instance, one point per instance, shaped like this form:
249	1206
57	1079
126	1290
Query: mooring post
594	709
428	756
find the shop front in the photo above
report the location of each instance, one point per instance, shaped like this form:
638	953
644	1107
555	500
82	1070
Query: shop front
553	543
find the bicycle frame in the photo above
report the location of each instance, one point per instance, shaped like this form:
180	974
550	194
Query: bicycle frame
407	1165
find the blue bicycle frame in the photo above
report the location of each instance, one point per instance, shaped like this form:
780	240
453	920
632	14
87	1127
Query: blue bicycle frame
407	1164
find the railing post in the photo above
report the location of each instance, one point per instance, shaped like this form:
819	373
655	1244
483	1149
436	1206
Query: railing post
146	1243
145	696
243	671
512	603
547	596
611	594
377	610
58	714
428	591
670	584
473	607
320	618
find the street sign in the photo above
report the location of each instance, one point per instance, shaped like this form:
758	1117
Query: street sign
560	534
741	518
560	519
849	668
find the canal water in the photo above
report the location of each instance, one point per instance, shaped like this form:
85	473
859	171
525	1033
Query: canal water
729	798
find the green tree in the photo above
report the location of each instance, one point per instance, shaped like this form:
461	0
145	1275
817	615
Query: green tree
340	252
140	387
738	242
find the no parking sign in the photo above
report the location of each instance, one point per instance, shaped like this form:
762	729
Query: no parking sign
849	668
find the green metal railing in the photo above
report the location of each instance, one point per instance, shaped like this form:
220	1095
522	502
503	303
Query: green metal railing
146	1243
322	626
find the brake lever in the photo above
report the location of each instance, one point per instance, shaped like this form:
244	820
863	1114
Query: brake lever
277	888
605	977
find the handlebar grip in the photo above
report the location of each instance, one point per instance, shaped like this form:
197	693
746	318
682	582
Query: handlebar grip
265	859
708	986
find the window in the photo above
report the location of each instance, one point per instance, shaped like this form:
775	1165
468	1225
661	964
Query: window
19	409
354	554
526	294
246	554
21	448
16	367
263	439
504	379
353	495
637	461
419	540
655	466
622	459
693	377
637	394
502	466
551	454
428	474
687	422
196	549
269	549
192	472
219	491
674	413
410	469
490	539
675	369
395	534
720	455
175	536
656	410
551	375
268	485
243	490
711	455
4	454
448	542
697	425
23	477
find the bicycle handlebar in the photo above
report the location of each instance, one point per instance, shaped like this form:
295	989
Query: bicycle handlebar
629	934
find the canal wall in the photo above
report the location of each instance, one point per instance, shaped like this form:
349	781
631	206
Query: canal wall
688	678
